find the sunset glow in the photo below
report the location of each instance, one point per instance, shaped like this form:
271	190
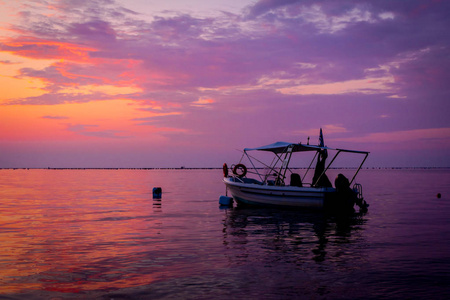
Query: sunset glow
135	84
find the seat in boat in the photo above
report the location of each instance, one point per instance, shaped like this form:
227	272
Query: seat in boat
296	180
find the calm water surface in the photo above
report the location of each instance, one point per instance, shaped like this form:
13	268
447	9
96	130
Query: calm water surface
98	234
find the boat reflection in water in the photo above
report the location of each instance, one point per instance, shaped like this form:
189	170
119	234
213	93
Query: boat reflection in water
315	235
305	253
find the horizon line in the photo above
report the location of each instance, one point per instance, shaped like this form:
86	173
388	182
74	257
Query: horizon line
199	168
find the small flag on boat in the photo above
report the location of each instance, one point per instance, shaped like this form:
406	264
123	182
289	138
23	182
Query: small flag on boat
324	153
321	142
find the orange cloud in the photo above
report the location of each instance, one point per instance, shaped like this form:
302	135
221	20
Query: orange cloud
104	89
15	88
38	48
99	119
203	102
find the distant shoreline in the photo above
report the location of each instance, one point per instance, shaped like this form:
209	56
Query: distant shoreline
215	168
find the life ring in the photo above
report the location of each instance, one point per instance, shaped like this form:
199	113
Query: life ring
240	170
225	170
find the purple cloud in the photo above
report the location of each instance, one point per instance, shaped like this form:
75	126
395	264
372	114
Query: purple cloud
191	52
96	31
264	6
87	130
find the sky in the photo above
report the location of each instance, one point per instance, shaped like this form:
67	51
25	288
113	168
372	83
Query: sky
141	84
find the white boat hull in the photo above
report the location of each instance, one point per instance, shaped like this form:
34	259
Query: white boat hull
269	195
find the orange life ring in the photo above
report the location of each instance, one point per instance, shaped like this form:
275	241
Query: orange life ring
225	170
242	168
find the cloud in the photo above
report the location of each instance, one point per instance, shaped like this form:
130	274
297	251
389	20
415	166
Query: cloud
423	72
55	117
325	17
264	6
39	48
203	102
183	52
364	86
87	130
327	129
423	135
7	62
326	24
97	31
59	98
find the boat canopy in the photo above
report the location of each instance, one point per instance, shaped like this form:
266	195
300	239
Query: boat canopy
281	147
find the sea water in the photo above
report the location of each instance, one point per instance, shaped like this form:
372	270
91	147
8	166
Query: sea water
99	234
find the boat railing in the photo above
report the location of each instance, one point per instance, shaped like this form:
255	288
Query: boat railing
280	165
309	167
334	158
357	188
237	179
272	168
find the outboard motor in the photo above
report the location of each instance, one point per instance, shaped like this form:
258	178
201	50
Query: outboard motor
347	197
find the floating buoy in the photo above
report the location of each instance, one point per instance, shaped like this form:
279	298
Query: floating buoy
157	192
438	195
225	201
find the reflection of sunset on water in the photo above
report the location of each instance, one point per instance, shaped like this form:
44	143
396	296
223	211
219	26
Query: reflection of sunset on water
89	230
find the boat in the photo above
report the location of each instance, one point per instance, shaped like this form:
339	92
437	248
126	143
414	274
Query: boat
266	184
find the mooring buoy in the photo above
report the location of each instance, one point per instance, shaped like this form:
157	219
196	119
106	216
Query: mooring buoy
157	193
225	200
